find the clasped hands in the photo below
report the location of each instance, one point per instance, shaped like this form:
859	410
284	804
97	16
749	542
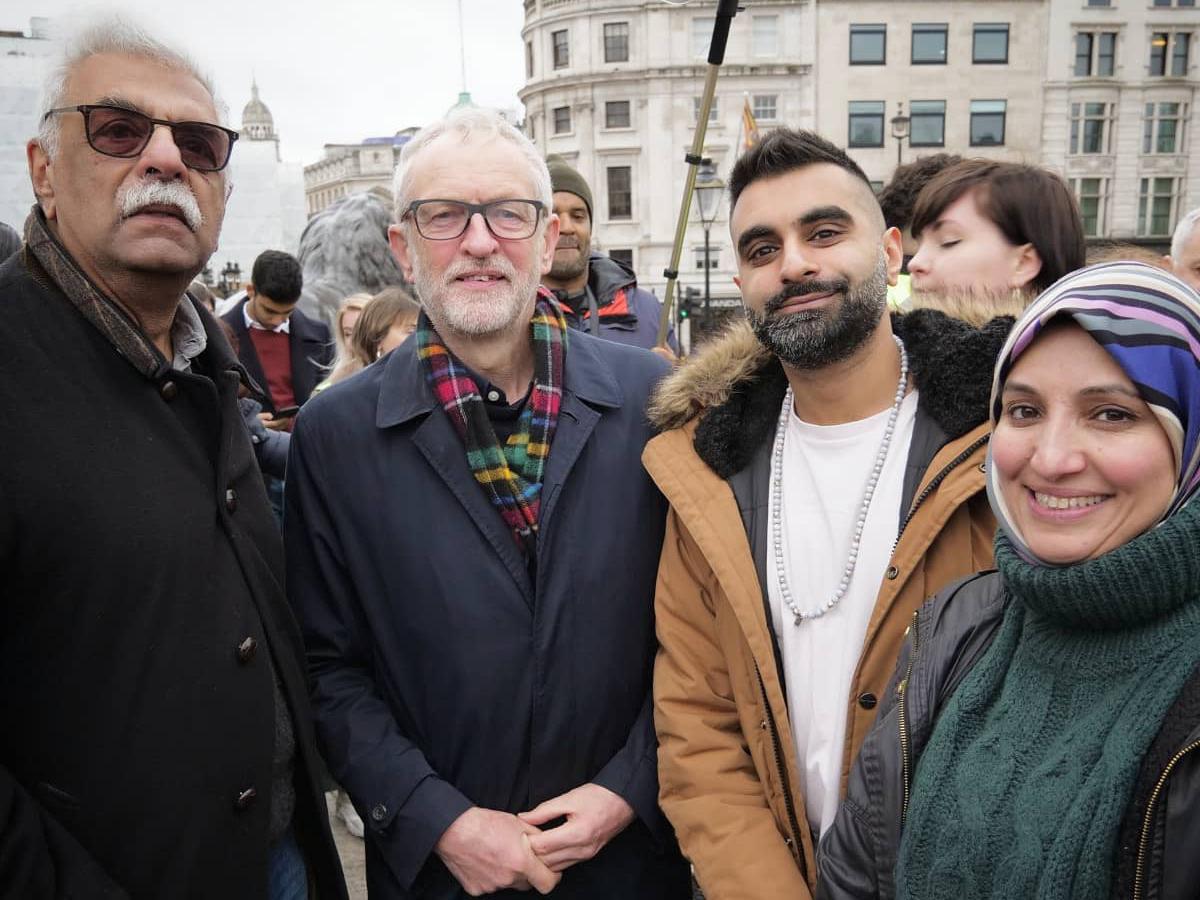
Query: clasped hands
487	850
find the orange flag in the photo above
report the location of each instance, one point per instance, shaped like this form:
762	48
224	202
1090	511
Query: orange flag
749	127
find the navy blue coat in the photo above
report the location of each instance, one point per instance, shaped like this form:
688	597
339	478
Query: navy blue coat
443	677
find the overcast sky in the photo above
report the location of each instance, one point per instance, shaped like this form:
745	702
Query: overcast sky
331	71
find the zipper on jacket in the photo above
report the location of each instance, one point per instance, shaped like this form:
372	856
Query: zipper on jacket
781	769
1139	875
936	483
902	717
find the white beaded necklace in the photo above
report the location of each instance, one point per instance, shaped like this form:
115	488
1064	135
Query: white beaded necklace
873	479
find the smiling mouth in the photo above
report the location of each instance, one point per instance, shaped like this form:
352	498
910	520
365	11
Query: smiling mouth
1050	501
480	278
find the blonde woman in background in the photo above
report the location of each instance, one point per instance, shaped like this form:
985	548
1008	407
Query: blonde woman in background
346	362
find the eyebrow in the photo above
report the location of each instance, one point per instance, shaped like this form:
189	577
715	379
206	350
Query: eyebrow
119	103
1018	387
751	234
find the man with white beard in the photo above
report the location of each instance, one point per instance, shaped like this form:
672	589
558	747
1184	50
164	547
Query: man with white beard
157	737
471	552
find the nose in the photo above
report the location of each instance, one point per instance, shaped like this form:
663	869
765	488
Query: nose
919	263
1058	449
478	239
797	262
161	156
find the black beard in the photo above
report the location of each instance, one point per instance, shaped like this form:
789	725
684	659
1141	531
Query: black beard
568	269
814	339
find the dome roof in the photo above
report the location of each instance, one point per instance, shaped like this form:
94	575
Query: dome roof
257	122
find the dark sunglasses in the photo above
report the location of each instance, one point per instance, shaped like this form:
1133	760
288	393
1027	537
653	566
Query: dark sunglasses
124	133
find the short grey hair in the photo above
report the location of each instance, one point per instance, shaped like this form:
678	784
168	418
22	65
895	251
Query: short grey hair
110	34
1183	231
466	122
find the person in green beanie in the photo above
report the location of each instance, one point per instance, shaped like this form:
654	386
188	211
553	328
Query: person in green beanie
597	293
1043	736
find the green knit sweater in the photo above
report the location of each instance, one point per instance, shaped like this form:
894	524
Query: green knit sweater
1023	785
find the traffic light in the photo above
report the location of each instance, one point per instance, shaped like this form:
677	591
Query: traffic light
688	302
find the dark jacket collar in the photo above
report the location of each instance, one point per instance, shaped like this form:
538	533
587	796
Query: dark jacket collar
951	364
606	276
52	258
404	393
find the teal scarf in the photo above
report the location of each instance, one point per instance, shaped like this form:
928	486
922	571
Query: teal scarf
1026	777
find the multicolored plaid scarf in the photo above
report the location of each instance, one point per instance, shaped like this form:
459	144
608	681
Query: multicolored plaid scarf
1148	321
511	475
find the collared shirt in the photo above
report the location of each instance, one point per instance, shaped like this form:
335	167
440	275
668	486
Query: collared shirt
284	327
188	337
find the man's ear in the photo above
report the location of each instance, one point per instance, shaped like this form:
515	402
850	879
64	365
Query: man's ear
41	176
398	241
550	241
893	254
250	292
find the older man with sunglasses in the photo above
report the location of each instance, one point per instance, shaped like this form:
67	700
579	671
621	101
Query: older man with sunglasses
471	551
155	733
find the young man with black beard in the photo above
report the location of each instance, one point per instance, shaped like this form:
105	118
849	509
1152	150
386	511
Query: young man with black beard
824	469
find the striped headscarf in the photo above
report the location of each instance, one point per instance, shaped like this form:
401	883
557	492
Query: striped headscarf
1148	321
511	475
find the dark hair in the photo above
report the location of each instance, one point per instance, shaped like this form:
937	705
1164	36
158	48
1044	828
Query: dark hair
784	150
1028	204
897	199
277	275
376	320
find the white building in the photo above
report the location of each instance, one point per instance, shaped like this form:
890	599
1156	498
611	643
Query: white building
968	75
266	208
614	87
1118	122
25	61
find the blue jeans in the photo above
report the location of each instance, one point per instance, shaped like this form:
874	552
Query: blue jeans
287	878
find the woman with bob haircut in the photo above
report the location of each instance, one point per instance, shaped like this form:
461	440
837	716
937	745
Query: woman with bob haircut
1043	735
994	228
386	323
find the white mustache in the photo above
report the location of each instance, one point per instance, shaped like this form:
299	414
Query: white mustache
152	192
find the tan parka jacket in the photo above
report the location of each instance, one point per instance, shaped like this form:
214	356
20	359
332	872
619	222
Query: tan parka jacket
727	760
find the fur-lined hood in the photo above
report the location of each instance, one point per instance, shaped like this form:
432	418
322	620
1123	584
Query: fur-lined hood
735	387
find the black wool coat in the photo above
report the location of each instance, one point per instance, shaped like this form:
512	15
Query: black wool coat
141	614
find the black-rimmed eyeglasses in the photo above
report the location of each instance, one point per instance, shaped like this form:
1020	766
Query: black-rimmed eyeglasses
444	220
124	133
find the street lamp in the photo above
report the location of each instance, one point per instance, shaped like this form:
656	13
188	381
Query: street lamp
231	276
709	189
900	125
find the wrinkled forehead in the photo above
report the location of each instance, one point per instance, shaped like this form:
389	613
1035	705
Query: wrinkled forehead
157	88
480	168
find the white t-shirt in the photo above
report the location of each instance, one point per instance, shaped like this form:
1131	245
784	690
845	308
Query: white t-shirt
825	470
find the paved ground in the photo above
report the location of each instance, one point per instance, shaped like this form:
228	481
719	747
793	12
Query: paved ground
350	849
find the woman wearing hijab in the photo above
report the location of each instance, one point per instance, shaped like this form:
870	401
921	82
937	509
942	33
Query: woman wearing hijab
1043	737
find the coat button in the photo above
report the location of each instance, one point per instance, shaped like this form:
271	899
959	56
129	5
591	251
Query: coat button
867	700
891	573
245	798
168	390
231	499
245	650
378	812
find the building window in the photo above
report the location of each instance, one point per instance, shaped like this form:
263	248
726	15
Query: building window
620	192
1156	206
712	113
562	120
702	29
765	107
1091	128
987	122
624	256
1163	128
868	45
529	59
929	45
714	257
764	34
927	123
990	44
1099	2
1092	194
616	114
866	123
1174	2
616	42
1169	53
1095	53
562	49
